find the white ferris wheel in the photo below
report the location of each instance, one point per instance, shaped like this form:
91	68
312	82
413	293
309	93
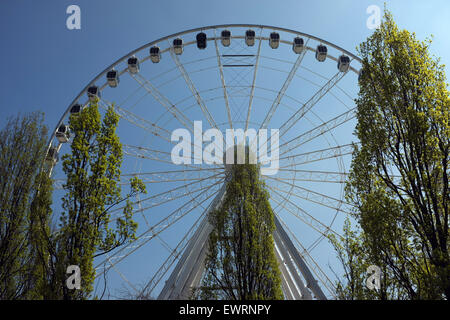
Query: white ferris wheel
229	77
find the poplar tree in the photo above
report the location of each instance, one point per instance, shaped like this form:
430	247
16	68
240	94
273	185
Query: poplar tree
241	262
399	182
86	229
22	153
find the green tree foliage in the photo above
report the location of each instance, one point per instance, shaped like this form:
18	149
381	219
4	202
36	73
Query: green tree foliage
353	255
241	263
399	178
87	229
39	225
22	153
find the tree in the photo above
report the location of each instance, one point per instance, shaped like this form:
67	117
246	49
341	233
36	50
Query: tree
22	153
85	229
352	253
399	182
40	229
241	262
134	292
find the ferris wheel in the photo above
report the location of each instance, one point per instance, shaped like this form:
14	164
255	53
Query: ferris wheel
237	76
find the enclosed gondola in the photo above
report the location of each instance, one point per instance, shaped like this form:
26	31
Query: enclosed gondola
93	93
178	45
155	54
298	45
201	40
52	156
274	40
133	64
250	37
225	38
343	63
321	53
63	133
75	109
112	77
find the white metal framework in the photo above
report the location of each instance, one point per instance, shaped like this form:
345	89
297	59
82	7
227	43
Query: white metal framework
241	76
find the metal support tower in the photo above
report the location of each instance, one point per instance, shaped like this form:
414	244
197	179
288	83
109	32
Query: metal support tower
189	270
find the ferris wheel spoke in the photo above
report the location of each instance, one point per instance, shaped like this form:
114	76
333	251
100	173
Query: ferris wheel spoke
140	122
188	97
157	155
252	91
301	214
283	89
192	194
161	74
238	107
194	91
311	103
150	154
153	231
171	194
170	260
309	260
196	94
317	131
169	81
166	175
158	176
239	77
59	183
317	155
164	101
147	180
313	176
122	276
312	196
131	95
222	79
338	87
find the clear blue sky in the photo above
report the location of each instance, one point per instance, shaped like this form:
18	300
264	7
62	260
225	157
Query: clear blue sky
45	65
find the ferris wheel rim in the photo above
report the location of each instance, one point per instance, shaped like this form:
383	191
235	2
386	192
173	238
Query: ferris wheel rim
204	28
214	27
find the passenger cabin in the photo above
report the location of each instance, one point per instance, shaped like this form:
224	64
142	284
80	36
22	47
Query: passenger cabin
225	38
93	93
298	45
321	53
133	64
52	156
75	109
178	46
63	133
250	37
155	54
274	40
112	77
201	40
343	63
